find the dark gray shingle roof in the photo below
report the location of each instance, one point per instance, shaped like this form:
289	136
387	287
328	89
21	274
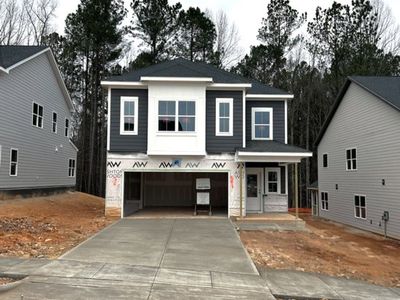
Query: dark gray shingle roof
10	55
271	146
184	68
386	88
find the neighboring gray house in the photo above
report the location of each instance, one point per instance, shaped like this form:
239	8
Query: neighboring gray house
178	121
36	153
359	156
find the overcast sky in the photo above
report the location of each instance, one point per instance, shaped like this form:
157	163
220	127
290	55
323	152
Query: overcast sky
247	14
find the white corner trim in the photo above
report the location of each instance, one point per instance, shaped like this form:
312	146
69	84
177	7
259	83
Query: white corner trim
4	70
269	96
286	122
122	84
135	100
217	116
108	117
181	79
244	118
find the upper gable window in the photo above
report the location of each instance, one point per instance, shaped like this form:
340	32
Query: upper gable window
262	126
129	115
224	117
37	115
66	131
325	160
176	116
351	159
54	122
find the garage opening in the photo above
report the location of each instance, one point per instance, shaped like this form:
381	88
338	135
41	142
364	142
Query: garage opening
171	193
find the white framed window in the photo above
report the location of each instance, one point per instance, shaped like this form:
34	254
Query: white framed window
66	129
351	159
262	124
224	117
54	122
325	160
129	116
360	206
13	162
273	180
324	201
37	115
176	116
71	167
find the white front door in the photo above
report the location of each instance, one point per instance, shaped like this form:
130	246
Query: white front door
253	190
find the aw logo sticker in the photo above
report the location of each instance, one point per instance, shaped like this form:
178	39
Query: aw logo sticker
218	165
192	165
114	164
139	164
175	163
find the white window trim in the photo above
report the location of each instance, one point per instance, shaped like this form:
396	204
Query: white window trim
33	103
345	156
327	160
278	170
271	122
217	116
16	167
177	115
52	122
366	211
74	168
327	201
135	100
67	127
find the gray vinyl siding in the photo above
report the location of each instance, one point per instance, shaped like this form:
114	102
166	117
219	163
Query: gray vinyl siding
128	143
39	164
278	118
373	127
224	144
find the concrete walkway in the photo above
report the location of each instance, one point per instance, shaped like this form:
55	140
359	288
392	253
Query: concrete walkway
171	259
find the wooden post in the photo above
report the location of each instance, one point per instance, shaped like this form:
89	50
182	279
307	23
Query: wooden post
241	189
296	189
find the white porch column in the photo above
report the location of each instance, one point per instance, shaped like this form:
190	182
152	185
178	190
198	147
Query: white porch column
296	189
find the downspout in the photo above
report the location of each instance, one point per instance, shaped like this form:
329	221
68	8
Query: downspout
241	189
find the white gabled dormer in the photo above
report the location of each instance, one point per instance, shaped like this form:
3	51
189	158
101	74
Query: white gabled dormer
176	115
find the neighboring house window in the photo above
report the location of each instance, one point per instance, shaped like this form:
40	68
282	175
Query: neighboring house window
54	122
66	132
183	120
71	168
351	159
13	162
224	117
325	160
37	115
360	208
324	201
262	123
129	115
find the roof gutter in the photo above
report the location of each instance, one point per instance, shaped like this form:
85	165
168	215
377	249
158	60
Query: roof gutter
269	96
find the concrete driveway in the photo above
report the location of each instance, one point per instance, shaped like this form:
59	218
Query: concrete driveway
150	259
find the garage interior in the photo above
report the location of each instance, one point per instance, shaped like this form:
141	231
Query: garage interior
171	193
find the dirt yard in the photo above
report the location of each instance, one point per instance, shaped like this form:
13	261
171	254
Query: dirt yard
329	248
49	226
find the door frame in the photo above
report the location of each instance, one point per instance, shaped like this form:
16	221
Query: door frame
260	173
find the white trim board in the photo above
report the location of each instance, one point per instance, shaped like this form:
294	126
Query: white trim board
269	96
174	79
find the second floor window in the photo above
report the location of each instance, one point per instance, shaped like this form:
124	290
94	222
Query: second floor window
37	115
351	159
66	131
224	117
54	122
129	115
176	116
261	123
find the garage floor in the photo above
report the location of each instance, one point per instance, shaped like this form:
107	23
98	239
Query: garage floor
191	244
176	213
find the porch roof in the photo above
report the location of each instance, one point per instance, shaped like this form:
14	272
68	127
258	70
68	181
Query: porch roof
271	151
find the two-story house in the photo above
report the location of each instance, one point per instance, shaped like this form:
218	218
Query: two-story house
177	121
36	153
359	156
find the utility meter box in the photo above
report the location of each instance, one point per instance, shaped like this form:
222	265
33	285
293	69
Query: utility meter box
203	184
